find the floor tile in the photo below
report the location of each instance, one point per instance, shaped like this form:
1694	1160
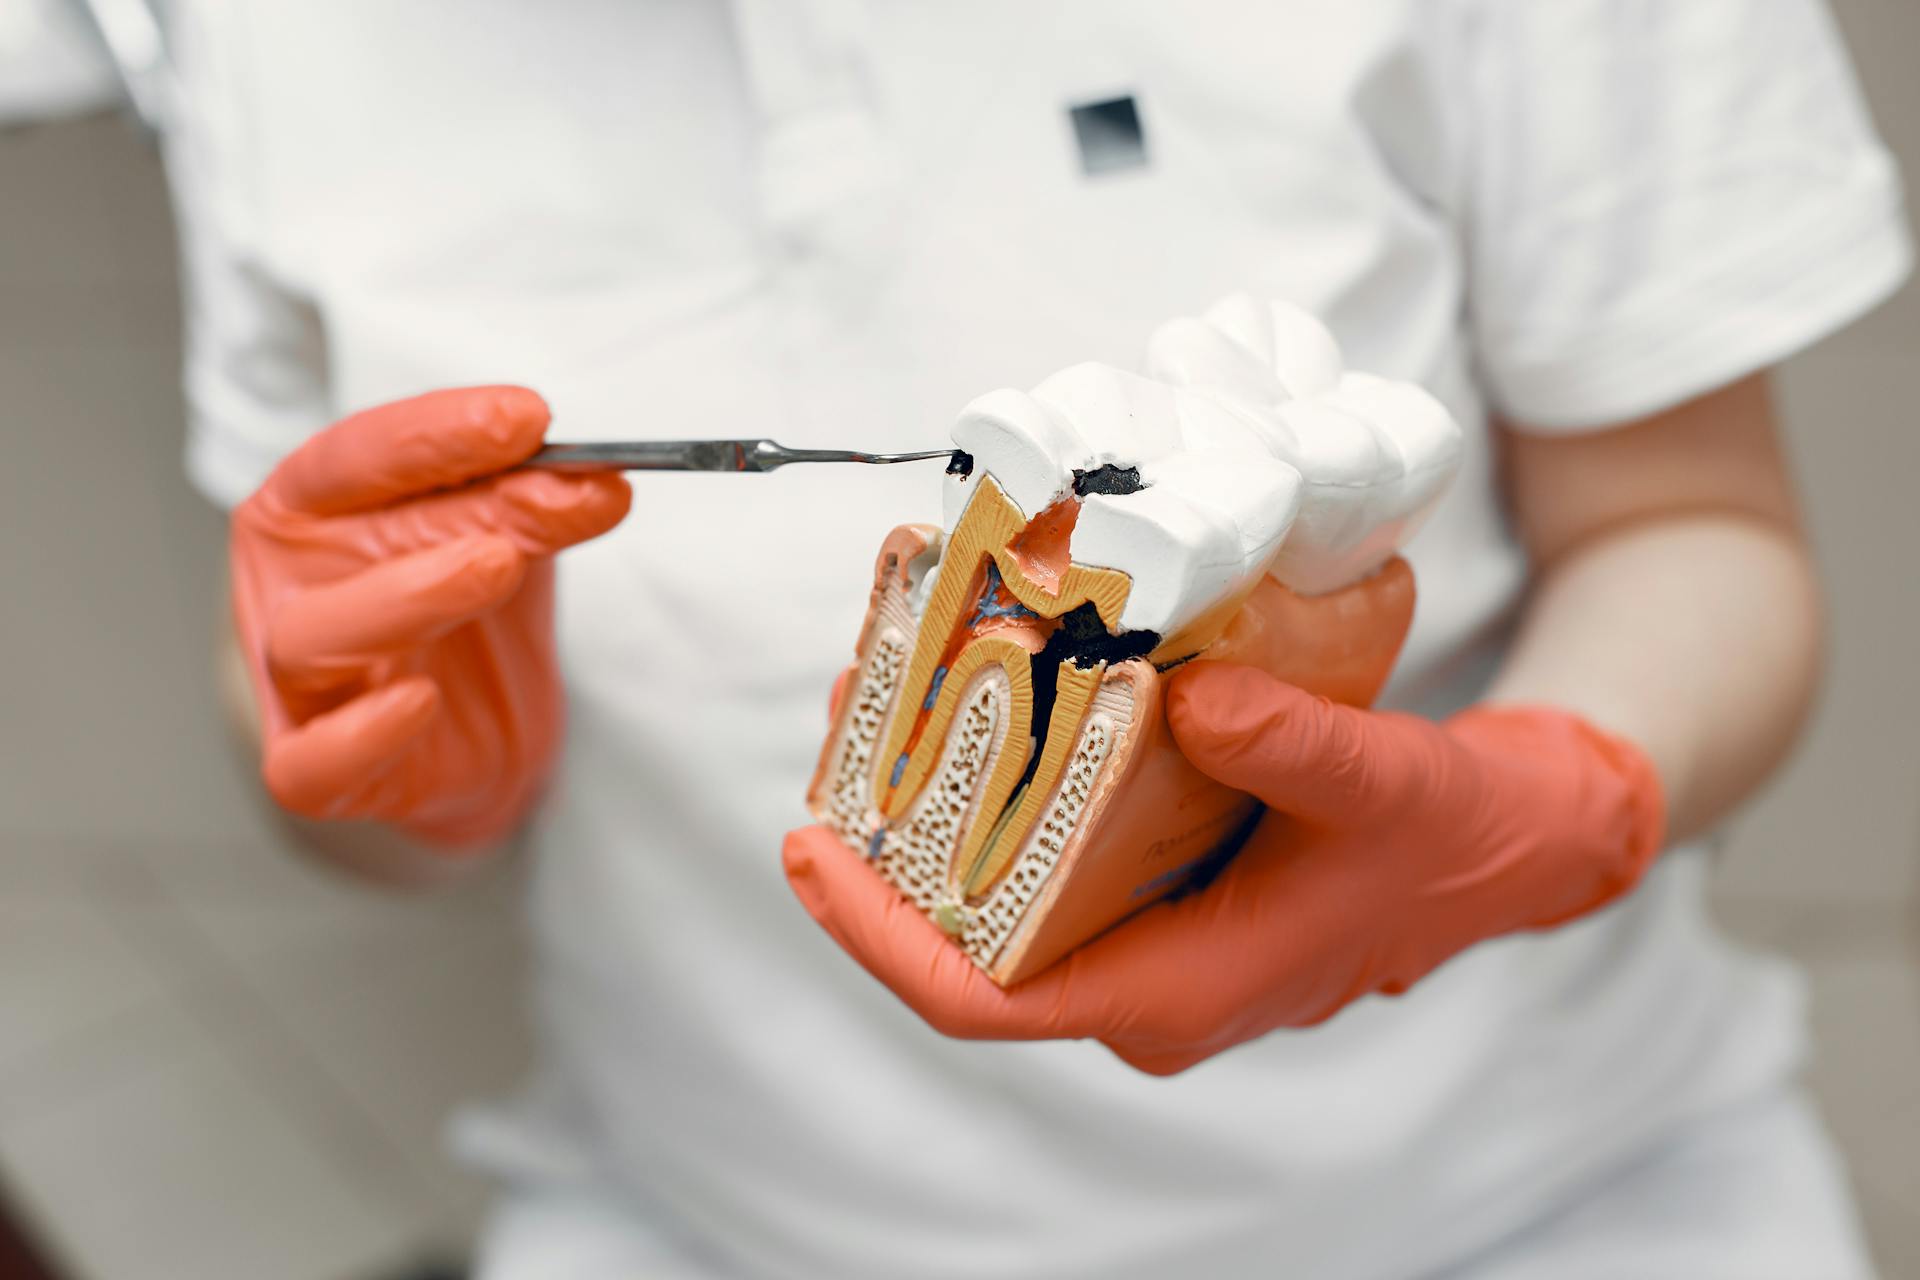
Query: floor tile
183	1164
410	1008
1842	822
66	966
1865	1070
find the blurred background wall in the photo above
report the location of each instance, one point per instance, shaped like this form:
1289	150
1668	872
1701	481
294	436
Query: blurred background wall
218	1062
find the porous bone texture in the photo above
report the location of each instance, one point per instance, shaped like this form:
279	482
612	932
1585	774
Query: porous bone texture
994	922
916	854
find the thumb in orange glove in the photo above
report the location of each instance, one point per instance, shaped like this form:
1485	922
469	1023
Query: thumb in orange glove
1391	844
393	599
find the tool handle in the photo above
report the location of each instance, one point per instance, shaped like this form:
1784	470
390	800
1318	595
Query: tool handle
653	455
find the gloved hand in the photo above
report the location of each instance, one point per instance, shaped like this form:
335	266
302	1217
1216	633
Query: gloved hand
393	598
1391	844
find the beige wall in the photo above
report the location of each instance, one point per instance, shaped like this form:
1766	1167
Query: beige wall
1827	864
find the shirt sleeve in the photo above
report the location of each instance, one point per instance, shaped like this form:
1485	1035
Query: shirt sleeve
255	376
1665	196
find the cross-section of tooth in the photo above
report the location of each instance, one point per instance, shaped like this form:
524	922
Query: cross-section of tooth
1001	754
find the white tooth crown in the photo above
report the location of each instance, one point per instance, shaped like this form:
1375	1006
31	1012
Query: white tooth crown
1374	454
1214	504
1256	450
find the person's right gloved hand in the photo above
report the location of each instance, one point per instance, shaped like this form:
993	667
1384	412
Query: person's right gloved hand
393	599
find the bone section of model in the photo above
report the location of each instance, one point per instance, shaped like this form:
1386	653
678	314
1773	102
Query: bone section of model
1005	693
970	845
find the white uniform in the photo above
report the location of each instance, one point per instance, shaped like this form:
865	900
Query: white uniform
834	223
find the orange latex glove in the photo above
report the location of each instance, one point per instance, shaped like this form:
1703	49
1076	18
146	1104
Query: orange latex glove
393	596
1391	843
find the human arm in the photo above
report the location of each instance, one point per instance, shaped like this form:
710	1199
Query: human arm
1675	600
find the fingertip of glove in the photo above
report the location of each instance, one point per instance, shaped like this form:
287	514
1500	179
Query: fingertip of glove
568	507
1162	1065
309	770
516	417
799	861
286	780
493	564
460	432
522	404
414	699
612	497
796	857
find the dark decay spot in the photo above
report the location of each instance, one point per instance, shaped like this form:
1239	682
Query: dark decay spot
1086	640
1082	639
1108	479
961	464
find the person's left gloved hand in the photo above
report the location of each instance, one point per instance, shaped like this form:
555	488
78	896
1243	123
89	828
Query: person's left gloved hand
393	598
1391	844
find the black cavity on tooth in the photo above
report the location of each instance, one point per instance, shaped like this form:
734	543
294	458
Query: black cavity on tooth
961	464
1107	479
1082	639
1085	640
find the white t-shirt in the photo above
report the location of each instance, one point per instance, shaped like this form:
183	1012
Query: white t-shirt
834	223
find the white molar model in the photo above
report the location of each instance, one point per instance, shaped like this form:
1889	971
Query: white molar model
1374	455
1256	450
1001	753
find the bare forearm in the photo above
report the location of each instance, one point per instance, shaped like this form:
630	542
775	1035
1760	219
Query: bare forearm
1697	637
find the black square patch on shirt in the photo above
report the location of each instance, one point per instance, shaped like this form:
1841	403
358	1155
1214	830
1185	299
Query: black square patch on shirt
1110	136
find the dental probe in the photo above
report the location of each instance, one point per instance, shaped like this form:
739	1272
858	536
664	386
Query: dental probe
702	455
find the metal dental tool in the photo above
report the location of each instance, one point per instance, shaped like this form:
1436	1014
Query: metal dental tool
703	455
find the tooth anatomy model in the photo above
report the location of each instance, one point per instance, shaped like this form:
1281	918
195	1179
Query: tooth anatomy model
1001	752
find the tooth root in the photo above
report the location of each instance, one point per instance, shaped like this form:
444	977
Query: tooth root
903	774
987	529
990	520
989	849
916	852
968	831
1008	931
